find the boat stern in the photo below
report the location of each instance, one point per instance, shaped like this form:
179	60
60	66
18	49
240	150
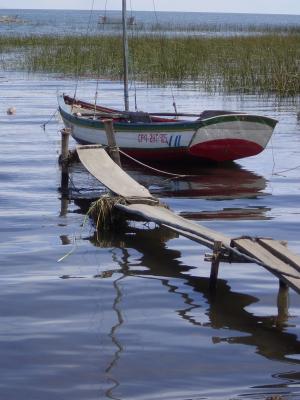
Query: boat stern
231	137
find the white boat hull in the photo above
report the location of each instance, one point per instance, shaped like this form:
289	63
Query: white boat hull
223	137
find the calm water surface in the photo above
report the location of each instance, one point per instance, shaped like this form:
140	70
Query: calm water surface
128	315
71	22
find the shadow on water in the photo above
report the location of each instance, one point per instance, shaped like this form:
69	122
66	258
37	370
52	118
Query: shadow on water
113	336
225	309
195	182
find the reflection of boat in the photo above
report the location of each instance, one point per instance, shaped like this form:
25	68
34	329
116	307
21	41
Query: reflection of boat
218	183
230	182
211	135
237	213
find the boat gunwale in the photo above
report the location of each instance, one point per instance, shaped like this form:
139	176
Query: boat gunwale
166	126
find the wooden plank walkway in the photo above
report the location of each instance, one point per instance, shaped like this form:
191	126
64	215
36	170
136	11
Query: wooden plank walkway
96	160
284	270
271	254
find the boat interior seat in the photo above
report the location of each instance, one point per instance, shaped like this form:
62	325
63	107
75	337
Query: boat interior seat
214	113
139	116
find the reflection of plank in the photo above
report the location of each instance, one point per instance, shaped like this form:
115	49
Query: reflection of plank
192	236
100	165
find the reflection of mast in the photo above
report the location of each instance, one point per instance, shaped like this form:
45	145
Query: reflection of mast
119	323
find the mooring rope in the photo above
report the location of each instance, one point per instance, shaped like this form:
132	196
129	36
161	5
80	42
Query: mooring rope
274	163
152	168
49	120
286	170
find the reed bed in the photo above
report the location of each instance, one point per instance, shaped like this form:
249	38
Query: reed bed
258	64
224	29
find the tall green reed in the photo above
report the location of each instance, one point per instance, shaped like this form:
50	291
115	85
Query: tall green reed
243	64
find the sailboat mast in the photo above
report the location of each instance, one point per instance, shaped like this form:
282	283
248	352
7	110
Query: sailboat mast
125	55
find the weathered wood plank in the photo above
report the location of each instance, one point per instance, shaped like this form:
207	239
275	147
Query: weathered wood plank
216	258
207	236
163	216
282	252
100	165
274	264
271	254
291	282
196	238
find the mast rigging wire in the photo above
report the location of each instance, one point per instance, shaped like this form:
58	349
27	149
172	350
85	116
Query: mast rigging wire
157	22
77	59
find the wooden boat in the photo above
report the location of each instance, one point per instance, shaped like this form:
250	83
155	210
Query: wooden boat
9	19
104	19
210	136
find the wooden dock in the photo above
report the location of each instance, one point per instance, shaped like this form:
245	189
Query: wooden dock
271	254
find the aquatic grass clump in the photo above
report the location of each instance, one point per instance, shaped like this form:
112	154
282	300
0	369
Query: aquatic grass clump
104	214
258	64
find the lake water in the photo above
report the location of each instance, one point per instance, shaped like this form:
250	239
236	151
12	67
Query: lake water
129	316
70	22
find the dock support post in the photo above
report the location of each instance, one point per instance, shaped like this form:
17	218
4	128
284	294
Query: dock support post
215	265
111	141
63	160
65	134
283	303
283	298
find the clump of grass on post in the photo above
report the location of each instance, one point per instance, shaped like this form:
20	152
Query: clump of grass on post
104	214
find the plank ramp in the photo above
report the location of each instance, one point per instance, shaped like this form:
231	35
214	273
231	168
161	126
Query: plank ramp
271	254
96	160
280	262
281	251
163	216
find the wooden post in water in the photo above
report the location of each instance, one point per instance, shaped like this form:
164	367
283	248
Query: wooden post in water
63	160
65	134
283	298
111	141
283	303
215	265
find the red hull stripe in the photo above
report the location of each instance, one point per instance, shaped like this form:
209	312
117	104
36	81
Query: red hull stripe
215	150
225	149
